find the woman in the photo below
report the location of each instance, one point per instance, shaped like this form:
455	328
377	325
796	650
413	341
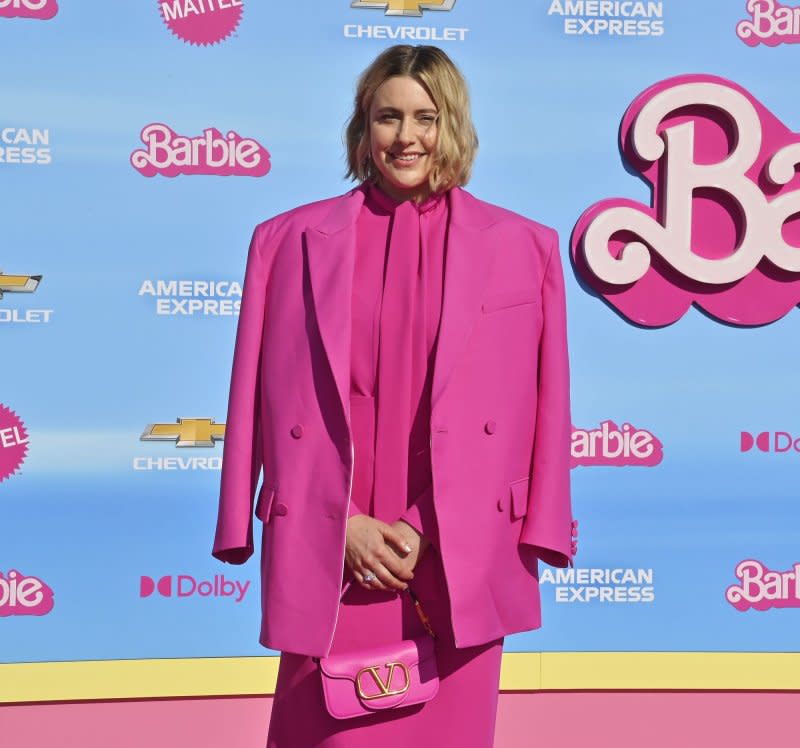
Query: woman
401	373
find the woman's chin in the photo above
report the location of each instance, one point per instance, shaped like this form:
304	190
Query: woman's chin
405	183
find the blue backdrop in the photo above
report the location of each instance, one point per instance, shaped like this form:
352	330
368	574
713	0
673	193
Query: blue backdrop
90	517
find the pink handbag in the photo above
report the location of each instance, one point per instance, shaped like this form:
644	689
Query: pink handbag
383	677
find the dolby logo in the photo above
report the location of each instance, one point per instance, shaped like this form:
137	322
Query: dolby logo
185	585
769	441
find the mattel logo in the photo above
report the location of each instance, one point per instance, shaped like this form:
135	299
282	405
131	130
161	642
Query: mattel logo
769	441
24	596
185	585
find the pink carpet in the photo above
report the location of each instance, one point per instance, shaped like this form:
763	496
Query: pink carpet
585	720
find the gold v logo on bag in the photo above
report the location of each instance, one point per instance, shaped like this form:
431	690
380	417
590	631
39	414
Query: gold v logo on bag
405	669
384	688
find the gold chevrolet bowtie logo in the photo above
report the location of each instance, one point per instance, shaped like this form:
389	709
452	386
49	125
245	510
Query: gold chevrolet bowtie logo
18	283
384	688
187	432
404	7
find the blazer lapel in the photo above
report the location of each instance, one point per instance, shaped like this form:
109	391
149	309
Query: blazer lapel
330	247
467	266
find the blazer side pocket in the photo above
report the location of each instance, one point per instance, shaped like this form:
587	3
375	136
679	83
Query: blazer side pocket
507	299
519	497
266	496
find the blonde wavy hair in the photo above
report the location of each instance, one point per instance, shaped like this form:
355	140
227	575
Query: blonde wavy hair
457	140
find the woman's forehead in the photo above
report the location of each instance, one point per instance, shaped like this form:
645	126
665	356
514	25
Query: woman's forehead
402	90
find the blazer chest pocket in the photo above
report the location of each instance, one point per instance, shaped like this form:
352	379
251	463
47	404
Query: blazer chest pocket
507	299
266	496
519	497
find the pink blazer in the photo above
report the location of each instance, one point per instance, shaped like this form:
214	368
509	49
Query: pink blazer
500	419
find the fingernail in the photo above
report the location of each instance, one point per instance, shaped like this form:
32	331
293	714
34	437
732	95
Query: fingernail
407	547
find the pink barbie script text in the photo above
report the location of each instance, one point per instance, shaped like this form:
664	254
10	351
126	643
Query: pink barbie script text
722	230
170	154
42	10
24	596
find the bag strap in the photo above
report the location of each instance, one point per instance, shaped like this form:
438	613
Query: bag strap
417	606
426	622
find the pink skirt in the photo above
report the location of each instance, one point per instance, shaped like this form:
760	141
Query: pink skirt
464	710
461	714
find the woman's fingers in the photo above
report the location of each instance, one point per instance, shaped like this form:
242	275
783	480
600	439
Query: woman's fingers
373	584
395	552
397	566
369	580
394	536
375	547
394	565
383	578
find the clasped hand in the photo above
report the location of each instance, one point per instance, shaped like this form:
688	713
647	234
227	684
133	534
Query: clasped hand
388	551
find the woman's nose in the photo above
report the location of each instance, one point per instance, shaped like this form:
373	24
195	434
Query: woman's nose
406	132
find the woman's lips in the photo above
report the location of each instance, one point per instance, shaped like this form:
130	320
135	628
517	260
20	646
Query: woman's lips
407	162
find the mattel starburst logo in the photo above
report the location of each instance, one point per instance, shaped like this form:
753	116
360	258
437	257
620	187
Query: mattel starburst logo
13	442
201	22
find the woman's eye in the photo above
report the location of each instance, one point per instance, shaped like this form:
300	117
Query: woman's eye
424	120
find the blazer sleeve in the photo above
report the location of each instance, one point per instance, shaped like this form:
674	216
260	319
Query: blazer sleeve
548	525
242	449
421	515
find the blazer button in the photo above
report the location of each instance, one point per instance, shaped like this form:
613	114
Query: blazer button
489	427
280	509
297	430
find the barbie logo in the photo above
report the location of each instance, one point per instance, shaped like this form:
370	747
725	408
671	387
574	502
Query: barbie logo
24	596
723	227
40	9
201	21
171	154
762	589
770	23
612	445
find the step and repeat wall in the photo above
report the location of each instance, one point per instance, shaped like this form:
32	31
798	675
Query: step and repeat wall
141	142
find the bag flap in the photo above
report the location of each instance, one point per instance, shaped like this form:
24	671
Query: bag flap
408	651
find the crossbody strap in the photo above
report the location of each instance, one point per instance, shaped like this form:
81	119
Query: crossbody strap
417	606
426	622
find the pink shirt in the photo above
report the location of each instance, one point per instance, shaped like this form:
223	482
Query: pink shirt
372	242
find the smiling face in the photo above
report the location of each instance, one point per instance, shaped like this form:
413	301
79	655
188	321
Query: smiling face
403	133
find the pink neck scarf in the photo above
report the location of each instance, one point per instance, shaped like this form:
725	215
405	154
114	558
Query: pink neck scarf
402	352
